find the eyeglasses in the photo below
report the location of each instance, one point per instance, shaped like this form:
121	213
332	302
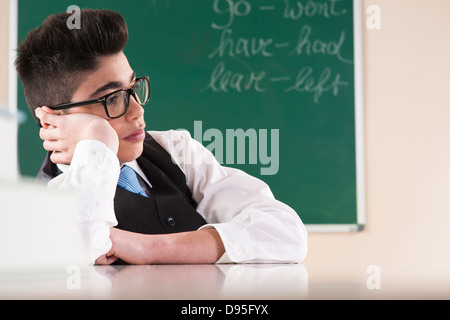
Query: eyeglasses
116	103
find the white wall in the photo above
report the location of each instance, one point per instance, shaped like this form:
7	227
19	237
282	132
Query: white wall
8	128
407	131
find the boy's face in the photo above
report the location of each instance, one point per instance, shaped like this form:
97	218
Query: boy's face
114	73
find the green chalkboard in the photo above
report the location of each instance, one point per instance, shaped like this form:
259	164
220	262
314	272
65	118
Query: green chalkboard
270	87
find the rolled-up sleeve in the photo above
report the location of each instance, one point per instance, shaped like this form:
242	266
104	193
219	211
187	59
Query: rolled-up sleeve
254	227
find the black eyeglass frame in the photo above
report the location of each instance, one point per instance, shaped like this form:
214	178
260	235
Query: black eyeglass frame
102	100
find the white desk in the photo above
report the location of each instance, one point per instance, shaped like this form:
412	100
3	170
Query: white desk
287	281
217	282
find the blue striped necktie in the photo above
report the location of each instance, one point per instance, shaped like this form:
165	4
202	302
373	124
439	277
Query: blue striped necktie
128	180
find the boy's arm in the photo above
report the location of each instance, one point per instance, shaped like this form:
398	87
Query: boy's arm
62	135
253	226
202	246
89	144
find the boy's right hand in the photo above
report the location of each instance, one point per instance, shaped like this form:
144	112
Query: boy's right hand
62	132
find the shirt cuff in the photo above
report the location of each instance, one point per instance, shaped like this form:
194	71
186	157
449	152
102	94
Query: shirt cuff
237	244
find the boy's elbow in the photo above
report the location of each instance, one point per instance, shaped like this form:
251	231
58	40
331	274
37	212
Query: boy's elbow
301	252
301	242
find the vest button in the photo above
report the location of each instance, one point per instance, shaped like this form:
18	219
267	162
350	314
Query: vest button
170	221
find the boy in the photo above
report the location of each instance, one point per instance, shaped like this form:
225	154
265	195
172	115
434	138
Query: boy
81	89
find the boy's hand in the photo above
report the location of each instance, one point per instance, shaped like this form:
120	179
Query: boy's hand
128	246
62	132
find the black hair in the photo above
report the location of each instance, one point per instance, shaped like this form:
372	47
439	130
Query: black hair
53	59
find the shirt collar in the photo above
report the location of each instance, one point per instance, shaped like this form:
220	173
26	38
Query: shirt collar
135	166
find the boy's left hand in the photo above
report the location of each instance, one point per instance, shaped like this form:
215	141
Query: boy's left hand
128	246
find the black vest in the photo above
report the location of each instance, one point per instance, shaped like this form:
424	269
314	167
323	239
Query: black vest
170	207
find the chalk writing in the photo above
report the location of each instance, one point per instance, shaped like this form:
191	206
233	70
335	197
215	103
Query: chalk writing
305	82
295	10
318	46
223	80
238	47
231	8
241	46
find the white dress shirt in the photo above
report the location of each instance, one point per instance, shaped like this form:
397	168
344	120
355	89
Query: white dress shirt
254	227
